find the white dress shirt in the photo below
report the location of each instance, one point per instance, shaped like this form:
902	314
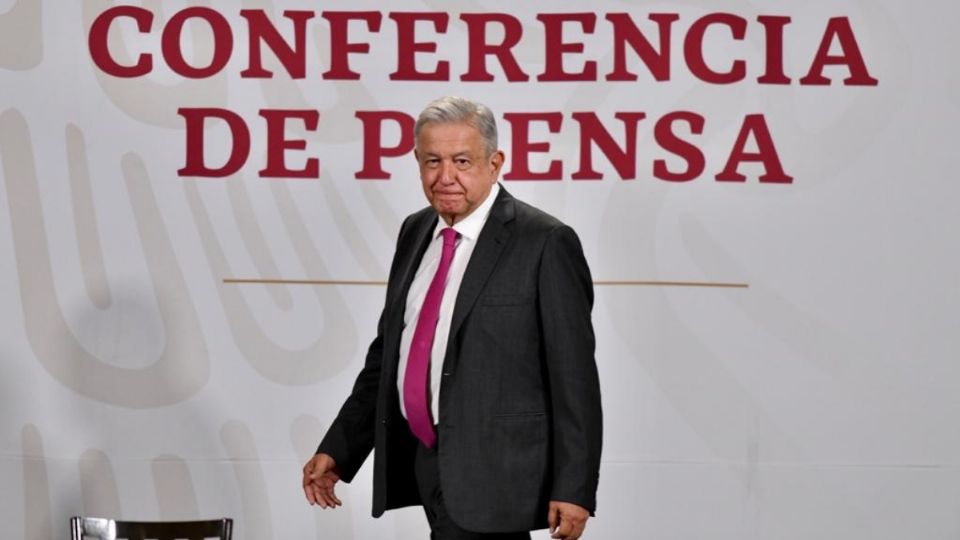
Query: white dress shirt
469	229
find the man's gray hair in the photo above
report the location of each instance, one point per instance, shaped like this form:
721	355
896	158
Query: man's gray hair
452	110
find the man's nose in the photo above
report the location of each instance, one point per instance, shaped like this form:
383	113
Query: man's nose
448	171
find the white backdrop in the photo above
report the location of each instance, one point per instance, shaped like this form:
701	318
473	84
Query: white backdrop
821	401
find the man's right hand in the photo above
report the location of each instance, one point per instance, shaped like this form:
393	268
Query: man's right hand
320	475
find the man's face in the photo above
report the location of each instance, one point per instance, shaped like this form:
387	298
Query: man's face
456	173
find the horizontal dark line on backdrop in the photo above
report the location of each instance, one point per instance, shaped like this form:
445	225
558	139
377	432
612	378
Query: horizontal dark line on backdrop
605	283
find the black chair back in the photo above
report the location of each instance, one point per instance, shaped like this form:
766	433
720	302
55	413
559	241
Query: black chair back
85	528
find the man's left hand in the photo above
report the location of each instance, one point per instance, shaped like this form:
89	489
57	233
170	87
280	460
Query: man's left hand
566	520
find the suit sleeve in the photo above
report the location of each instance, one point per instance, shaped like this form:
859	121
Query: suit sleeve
350	438
566	300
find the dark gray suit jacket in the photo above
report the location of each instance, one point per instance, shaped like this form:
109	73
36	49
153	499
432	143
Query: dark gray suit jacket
520	422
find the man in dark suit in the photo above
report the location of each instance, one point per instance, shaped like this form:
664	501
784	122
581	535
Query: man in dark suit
479	395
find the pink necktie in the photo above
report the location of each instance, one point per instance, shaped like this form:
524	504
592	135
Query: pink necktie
415	396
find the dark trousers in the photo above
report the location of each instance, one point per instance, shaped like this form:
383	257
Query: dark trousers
441	526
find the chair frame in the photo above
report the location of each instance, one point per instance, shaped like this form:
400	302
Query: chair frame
111	529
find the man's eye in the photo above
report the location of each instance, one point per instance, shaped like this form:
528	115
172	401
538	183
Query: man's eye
432	162
462	163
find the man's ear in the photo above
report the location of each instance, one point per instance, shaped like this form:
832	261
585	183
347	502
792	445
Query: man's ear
416	155
496	161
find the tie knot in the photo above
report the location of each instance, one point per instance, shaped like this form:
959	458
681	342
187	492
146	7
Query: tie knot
449	236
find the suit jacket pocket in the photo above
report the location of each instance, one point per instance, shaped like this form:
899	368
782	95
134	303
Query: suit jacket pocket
505	300
522	429
518	415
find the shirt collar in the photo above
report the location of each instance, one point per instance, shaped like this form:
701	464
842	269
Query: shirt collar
470	226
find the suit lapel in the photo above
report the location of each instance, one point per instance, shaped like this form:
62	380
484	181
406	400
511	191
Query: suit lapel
490	245
420	238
